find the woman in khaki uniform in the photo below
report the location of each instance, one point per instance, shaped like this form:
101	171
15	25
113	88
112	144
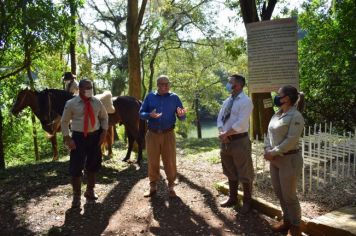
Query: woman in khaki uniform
286	162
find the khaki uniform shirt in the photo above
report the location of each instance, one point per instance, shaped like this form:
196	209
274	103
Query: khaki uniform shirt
74	111
284	131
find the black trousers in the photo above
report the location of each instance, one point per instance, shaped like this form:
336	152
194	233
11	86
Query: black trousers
87	153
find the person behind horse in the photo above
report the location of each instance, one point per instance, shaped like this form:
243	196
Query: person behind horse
89	124
71	84
160	109
286	161
235	148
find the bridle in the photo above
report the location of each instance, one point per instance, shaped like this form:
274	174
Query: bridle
23	98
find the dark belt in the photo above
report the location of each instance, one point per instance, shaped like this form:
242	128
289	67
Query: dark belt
88	134
161	131
237	136
295	151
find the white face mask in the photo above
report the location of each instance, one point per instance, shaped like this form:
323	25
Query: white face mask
67	82
88	93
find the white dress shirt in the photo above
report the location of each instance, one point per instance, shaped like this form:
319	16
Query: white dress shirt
240	114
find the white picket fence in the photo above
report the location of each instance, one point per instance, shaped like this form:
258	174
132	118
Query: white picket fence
328	157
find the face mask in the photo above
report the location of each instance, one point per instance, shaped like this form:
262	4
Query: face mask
228	87
88	93
67	82
277	101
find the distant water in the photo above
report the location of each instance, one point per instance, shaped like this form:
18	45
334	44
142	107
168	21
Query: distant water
208	130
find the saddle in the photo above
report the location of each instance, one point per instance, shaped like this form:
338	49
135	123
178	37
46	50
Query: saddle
106	99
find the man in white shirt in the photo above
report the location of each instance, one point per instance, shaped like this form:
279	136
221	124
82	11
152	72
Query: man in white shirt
89	125
235	152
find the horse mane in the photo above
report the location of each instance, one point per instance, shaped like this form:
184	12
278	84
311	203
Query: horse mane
52	101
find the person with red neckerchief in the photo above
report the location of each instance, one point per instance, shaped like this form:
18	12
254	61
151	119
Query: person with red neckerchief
89	124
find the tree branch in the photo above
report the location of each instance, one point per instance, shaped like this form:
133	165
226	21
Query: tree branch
249	11
14	72
266	13
140	14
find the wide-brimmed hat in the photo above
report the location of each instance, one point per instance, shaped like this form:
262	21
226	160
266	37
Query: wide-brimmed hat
68	76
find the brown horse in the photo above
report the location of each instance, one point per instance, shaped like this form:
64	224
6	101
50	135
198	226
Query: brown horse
50	119
48	106
127	113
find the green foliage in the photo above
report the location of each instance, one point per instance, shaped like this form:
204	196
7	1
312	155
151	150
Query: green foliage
39	24
235	47
328	63
183	127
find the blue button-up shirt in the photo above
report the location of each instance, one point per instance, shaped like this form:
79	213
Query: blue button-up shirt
166	104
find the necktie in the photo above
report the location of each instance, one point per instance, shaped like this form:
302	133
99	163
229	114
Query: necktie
227	111
88	114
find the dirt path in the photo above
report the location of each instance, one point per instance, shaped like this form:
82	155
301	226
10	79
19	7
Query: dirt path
35	200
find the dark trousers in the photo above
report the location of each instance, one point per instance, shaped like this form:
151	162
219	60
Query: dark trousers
87	153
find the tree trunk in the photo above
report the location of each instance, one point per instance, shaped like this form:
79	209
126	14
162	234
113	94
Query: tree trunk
144	89
261	115
134	20
33	118
152	67
2	152
28	63
73	37
197	114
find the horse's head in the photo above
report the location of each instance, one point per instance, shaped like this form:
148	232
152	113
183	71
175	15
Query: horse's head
23	100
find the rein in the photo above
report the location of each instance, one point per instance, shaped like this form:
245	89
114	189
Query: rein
22	99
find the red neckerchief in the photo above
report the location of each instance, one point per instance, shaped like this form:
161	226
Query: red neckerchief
88	114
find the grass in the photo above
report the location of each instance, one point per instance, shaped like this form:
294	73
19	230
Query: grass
214	159
194	145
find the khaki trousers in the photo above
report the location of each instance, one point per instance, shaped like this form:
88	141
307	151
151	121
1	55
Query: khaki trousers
236	160
285	172
157	145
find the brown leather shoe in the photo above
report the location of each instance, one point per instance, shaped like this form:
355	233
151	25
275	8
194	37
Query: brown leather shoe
90	195
229	202
294	230
232	200
172	193
150	193
246	207
281	226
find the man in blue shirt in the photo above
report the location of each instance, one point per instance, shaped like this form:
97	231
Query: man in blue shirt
161	108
